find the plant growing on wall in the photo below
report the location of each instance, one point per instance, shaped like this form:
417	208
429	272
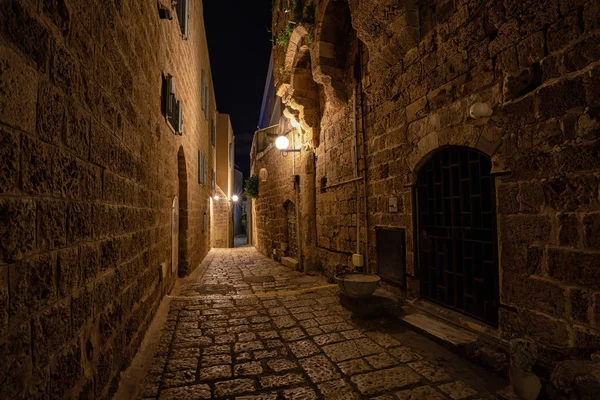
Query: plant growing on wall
252	186
284	36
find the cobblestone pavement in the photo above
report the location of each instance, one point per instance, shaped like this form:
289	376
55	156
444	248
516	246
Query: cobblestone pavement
251	329
240	241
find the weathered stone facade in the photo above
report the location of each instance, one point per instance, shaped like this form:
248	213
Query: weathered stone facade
408	73
89	169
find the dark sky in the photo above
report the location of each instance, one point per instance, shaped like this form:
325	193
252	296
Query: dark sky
240	46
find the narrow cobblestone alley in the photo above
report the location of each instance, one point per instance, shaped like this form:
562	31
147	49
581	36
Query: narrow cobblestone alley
249	328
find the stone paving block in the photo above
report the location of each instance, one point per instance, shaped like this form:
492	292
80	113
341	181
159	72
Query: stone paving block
353	367
178	378
267	334
284	321
432	372
300	393
234	387
219	359
420	393
274	381
314	331
248	369
292	334
224	339
263	354
279	365
191	342
304	348
309	323
385	380
215	372
457	390
215	331
337	390
351	349
184	353
182	364
383	339
338	327
404	354
218	349
239	329
243	357
319	369
328	338
247	346
246	336
382	360
274	343
193	392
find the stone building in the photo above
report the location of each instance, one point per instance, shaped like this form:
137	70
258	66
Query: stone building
224	183
106	159
454	146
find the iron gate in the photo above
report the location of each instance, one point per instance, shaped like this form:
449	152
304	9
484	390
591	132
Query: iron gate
456	242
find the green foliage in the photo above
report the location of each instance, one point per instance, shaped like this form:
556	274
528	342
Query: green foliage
252	186
284	36
281	69
308	39
308	15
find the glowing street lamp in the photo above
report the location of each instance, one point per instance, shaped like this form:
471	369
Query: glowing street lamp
235	198
216	197
282	143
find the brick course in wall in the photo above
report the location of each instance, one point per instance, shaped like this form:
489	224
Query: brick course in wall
89	170
535	63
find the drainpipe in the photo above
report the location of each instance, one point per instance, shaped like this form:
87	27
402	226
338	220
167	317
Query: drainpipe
297	192
356	175
364	146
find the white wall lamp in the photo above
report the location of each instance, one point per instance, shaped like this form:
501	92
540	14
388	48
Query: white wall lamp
480	112
282	143
235	198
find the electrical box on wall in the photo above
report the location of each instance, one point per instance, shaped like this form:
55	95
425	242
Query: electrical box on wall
358	260
393	204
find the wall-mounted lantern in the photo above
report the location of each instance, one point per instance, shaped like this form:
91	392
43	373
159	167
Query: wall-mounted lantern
282	143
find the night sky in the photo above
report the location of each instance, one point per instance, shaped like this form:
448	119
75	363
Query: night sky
239	43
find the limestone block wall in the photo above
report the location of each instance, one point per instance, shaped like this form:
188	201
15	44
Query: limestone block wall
221	221
536	63
89	169
269	207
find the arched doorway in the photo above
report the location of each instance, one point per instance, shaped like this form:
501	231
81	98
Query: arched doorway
292	238
183	213
456	232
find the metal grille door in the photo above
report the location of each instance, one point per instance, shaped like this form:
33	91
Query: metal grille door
456	220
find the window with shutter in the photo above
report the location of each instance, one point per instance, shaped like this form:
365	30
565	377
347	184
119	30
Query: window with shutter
213	134
171	107
182	8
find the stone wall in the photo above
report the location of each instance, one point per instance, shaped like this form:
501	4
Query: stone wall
221	221
89	170
535	63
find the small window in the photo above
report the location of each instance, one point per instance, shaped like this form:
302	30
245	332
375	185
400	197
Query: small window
182	8
231	155
204	94
213	134
213	179
171	107
201	167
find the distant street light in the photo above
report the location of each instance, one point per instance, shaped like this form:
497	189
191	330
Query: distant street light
235	198
216	197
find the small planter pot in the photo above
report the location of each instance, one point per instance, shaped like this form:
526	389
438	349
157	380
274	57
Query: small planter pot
357	286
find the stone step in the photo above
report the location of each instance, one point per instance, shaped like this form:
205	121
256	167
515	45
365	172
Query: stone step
290	262
438	329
